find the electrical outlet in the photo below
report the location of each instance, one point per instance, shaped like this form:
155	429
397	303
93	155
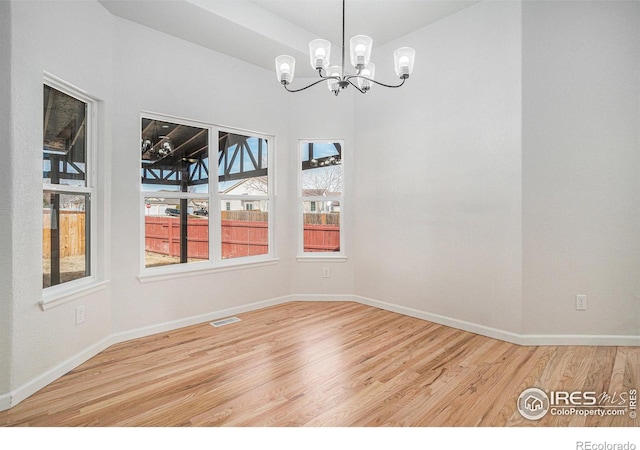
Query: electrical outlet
581	302
79	314
325	272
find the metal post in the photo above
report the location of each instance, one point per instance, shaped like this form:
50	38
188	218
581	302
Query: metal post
343	39
184	178
55	222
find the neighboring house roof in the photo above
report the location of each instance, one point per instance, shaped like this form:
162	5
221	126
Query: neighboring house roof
314	192
242	184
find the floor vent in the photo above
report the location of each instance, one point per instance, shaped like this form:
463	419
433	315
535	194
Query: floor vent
222	322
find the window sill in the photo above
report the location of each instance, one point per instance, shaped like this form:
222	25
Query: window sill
321	258
193	269
70	293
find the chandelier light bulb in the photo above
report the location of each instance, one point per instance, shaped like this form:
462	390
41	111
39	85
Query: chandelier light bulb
404	58
320	55
319	52
285	68
332	83
404	65
360	50
285	73
367	72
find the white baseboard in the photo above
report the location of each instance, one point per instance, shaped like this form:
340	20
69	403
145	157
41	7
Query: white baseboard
12	398
322	298
16	396
194	320
515	338
581	339
5	401
443	320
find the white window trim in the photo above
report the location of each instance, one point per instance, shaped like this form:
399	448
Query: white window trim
215	263
69	291
303	256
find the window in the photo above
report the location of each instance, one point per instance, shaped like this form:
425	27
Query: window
186	219
321	196
244	188
68	185
175	186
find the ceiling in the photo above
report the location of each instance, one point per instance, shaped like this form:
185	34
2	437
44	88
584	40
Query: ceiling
257	31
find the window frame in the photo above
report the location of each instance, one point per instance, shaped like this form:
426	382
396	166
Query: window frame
269	198
215	262
339	256
172	195
67	291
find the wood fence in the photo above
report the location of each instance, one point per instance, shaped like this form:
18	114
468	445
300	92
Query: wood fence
321	238
321	232
322	218
244	233
71	231
162	235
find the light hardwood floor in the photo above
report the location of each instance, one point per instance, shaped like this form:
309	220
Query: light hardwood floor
324	364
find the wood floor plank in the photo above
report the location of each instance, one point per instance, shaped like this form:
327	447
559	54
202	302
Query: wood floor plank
324	364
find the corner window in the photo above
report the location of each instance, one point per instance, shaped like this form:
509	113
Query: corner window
68	186
321	197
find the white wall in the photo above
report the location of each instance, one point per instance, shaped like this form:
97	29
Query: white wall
581	167
6	266
72	40
522	187
318	114
161	74
438	165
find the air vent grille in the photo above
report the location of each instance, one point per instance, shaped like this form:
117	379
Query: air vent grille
219	323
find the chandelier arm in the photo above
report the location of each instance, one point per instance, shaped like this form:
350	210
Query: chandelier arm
330	77
307	87
376	82
355	85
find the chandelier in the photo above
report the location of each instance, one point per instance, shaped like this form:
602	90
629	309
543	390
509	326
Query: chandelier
335	76
156	147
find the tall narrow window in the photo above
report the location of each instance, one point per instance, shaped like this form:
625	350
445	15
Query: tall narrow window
244	193
175	186
68	189
321	193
